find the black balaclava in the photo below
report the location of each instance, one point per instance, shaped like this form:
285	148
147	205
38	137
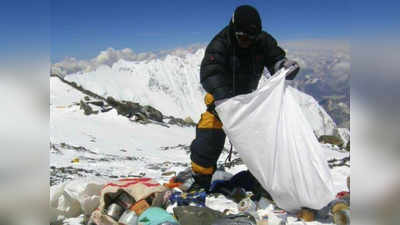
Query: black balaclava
246	19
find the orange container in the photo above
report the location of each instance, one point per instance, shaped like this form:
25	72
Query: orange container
140	207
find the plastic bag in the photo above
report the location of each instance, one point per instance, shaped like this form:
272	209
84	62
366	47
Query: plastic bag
75	197
274	139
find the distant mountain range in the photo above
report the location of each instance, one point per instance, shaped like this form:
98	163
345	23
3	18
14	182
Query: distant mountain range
173	76
325	75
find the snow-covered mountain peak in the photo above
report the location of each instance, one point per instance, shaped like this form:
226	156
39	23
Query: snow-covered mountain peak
172	85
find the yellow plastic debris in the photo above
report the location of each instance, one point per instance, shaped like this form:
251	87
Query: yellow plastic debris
76	160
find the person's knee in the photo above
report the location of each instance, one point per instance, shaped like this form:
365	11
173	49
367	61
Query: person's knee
202	170
206	148
202	160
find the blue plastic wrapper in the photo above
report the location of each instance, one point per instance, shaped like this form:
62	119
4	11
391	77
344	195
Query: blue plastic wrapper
193	198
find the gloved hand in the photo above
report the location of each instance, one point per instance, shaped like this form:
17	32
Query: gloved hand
288	64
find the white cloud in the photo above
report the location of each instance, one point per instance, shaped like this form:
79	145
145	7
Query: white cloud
71	65
110	56
305	52
106	57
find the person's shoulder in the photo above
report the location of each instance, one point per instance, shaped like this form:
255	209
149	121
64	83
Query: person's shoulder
266	37
220	42
266	40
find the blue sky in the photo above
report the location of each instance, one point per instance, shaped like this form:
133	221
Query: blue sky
24	30
83	28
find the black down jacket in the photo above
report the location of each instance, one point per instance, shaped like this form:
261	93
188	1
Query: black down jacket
227	70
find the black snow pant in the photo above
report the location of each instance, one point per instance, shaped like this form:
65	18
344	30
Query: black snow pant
209	142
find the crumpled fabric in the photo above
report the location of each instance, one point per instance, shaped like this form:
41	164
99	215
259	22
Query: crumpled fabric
192	198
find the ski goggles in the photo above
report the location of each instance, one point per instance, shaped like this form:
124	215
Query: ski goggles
242	36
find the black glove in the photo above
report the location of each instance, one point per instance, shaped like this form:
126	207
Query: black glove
288	64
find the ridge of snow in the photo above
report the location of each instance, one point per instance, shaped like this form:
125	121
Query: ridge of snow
172	85
318	118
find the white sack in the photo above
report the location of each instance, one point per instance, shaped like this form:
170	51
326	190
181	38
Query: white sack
276	142
74	198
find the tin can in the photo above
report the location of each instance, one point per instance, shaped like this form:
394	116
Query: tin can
128	218
125	200
115	211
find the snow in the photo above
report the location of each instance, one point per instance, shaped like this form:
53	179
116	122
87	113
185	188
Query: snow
109	133
344	134
172	85
61	94
318	118
114	147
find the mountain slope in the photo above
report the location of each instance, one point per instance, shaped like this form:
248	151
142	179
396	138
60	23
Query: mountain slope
171	85
324	74
108	146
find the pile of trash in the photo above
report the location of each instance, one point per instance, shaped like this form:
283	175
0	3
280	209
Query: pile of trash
143	201
286	167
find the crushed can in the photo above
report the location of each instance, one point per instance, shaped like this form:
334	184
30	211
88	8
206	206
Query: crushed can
114	211
129	217
125	200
